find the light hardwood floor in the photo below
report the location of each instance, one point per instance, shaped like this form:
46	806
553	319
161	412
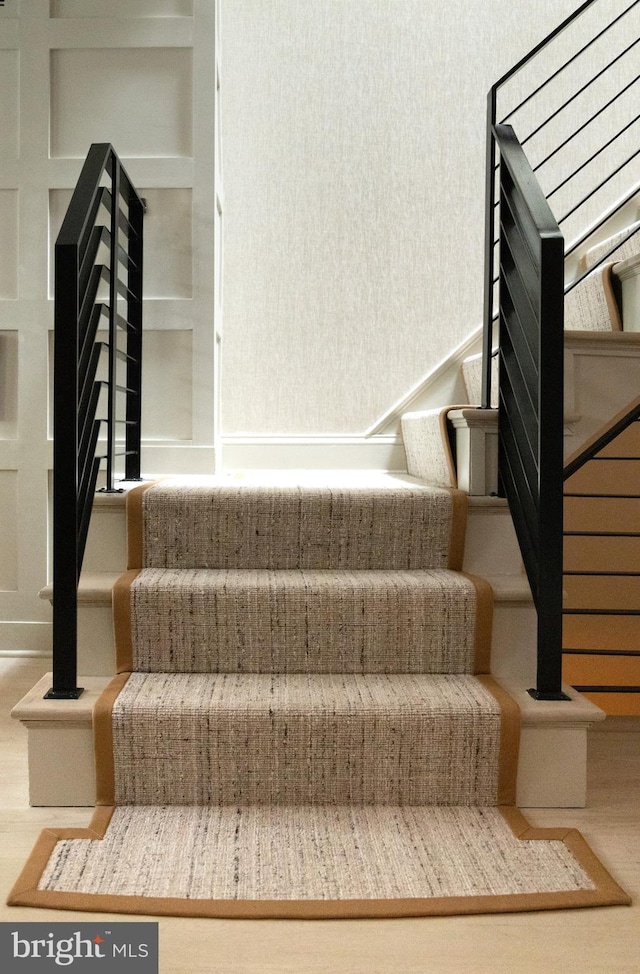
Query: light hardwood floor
600	941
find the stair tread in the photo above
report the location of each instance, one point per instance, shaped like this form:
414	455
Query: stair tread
318	853
97	587
293	693
296	578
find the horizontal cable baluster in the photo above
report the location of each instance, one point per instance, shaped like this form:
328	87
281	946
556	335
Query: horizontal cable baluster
599	223
597	188
571	60
601	612
581	128
580	91
601	260
591	157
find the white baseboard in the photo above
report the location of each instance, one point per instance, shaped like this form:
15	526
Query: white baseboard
170	458
254	452
25	639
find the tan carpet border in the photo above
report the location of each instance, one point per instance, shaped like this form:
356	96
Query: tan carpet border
579	848
446	443
607	892
509	740
103	740
135	522
484	623
610	297
122	620
459	506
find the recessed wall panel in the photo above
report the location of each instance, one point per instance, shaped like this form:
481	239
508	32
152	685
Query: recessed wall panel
167	385
8	385
10	10
9	243
121	8
9	86
168	247
8	530
139	99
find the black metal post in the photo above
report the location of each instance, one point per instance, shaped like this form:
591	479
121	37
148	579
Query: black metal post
65	481
134	342
113	323
550	470
532	394
489	249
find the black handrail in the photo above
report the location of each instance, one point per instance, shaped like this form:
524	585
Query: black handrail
86	393
531	392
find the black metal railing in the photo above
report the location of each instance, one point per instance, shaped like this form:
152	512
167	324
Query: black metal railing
577	116
97	375
580	127
616	568
531	389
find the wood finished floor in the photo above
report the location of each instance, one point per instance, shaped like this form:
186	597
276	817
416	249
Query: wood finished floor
600	941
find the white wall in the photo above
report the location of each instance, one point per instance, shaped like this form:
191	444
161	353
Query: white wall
353	135
139	74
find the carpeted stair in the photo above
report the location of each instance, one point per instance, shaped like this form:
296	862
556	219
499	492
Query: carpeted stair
304	723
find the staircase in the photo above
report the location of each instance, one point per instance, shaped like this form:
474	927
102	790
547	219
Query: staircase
553	737
370	610
303	644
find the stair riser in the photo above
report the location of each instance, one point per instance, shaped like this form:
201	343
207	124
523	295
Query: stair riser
106	549
491	547
513	641
601	378
551	767
302	760
305	622
225	739
280	528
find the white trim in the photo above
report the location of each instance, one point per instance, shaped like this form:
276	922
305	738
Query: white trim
313	452
24	654
25	638
171	458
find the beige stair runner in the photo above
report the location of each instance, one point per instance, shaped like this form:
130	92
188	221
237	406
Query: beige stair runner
304	723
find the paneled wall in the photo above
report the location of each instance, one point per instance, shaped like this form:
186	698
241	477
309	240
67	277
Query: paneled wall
139	75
